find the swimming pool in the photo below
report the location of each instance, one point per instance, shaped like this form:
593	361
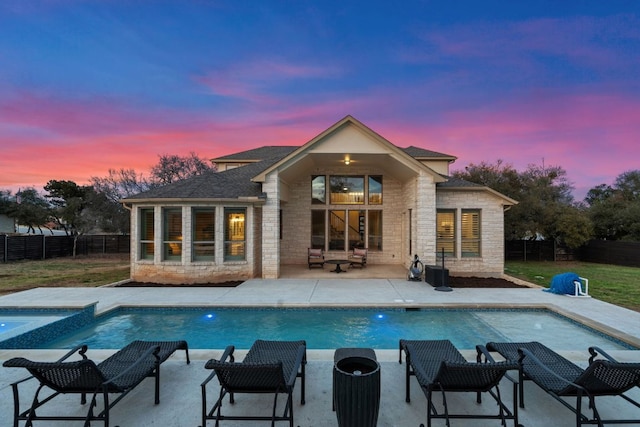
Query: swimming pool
215	328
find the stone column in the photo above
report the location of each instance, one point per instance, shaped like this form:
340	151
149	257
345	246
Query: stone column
271	228
425	217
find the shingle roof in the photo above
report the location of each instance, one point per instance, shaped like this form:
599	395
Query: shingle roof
417	152
230	184
236	183
261	153
452	182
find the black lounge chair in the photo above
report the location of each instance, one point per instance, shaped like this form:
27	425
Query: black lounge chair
439	366
562	379
268	367
118	374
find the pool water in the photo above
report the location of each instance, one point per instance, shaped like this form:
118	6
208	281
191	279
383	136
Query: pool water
14	323
215	328
6	326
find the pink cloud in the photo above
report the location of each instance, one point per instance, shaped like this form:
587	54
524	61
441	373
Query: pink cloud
592	135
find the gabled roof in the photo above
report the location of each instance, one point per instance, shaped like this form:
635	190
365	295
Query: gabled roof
350	120
241	183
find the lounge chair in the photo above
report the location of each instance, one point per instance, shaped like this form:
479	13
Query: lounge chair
315	257
268	367
358	257
118	374
561	378
439	366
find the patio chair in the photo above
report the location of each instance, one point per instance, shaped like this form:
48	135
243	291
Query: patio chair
269	367
562	379
315	257
358	257
118	374
439	366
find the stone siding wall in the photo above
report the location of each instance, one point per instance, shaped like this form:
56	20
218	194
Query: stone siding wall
185	271
491	261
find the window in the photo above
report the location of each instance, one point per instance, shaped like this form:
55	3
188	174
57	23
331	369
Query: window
203	240
470	233
356	229
445	232
172	234
375	230
234	234
375	190
146	234
344	229
346	190
318	190
318	229
337	227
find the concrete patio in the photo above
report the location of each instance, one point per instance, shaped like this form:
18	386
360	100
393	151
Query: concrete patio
180	385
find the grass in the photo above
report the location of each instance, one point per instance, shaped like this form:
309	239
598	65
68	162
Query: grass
611	283
68	272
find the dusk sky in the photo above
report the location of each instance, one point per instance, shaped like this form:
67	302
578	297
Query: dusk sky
87	86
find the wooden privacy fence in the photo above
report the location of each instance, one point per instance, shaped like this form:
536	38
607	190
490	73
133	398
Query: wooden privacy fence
16	248
611	252
597	251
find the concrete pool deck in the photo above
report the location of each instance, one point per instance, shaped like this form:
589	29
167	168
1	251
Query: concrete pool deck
180	384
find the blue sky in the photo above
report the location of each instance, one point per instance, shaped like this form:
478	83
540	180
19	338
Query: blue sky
86	86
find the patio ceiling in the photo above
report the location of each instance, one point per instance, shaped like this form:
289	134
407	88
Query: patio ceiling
316	163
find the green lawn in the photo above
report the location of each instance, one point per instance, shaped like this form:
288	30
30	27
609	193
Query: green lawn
614	284
611	283
69	272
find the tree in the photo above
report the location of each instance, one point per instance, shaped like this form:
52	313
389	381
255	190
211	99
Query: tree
68	201
614	210
172	168
123	183
5	201
30	209
120	184
545	207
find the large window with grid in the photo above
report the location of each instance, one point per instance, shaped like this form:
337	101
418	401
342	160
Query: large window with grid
353	224
446	232
146	234
172	234
235	239
203	240
470	233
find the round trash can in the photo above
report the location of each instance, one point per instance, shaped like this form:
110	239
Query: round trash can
357	391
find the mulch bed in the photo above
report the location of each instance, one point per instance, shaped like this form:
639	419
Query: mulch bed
454	282
481	282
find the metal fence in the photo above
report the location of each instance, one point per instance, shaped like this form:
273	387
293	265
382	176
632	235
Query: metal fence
16	248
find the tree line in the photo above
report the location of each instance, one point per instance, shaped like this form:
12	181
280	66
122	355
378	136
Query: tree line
546	208
82	209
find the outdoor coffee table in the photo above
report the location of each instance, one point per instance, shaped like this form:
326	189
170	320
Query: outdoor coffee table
337	262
